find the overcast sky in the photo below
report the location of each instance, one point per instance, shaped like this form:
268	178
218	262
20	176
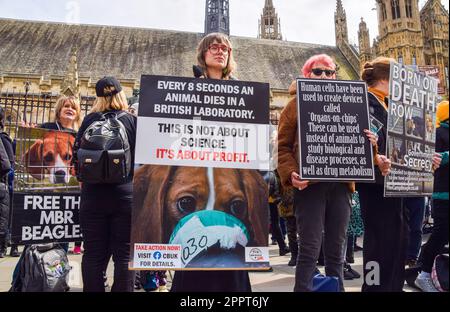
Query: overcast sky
310	21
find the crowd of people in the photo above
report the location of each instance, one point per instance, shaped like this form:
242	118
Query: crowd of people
320	218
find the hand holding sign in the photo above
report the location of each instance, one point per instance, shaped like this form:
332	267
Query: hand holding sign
373	137
384	164
437	158
297	183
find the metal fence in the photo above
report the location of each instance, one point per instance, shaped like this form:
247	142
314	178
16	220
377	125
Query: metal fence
29	108
32	108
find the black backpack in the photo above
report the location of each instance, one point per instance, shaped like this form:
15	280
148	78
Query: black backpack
42	268
104	154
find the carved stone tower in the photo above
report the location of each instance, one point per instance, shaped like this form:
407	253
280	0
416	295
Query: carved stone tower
434	20
340	20
269	24
217	16
365	52
70	85
400	33
340	23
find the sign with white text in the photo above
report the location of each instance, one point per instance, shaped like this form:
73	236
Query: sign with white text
199	145
332	115
46	198
411	132
44	218
203	123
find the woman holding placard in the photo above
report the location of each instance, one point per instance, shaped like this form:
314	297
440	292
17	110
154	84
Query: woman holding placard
215	61
319	207
385	226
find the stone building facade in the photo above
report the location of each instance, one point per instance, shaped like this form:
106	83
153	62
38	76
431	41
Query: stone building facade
407	34
48	56
434	21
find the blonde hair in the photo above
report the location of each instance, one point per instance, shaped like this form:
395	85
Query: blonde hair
74	103
115	102
203	47
377	70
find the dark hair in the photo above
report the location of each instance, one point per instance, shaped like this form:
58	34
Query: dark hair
2	117
377	70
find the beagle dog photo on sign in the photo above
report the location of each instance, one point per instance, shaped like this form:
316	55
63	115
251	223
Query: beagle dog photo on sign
212	213
49	156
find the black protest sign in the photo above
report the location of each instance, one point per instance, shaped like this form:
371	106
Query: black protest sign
411	132
332	115
210	100
40	218
203	123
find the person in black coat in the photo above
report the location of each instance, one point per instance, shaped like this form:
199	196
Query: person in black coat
6	164
67	118
385	220
105	212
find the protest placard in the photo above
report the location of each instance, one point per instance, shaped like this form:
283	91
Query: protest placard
198	196
433	71
46	197
41	218
194	122
411	132
332	115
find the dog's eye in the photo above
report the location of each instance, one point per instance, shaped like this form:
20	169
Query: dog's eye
67	157
187	204
238	208
48	158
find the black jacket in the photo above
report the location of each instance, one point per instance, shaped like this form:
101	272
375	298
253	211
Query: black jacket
129	121
7	162
378	111
6	155
441	174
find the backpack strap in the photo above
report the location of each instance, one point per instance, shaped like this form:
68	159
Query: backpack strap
123	113
118	115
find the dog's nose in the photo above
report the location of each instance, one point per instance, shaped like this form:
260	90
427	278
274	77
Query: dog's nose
60	176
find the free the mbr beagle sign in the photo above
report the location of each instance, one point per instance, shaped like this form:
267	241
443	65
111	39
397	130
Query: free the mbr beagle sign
199	201
46	196
44	218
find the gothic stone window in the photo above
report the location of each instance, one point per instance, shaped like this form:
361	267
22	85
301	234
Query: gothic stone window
223	23
224	8
395	9
269	21
408	5
383	12
213	22
213	6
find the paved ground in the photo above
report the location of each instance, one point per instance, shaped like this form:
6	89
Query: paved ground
281	279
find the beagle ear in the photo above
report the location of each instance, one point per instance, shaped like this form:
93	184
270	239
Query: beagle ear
71	142
150	186
33	160
257	195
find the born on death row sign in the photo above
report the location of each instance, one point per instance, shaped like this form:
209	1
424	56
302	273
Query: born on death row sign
332	116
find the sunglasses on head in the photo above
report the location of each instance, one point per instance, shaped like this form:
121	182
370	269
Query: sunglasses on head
318	72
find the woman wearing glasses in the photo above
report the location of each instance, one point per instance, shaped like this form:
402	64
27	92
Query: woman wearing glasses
321	209
214	61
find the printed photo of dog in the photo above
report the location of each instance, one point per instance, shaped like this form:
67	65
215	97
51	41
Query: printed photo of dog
163	195
50	157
